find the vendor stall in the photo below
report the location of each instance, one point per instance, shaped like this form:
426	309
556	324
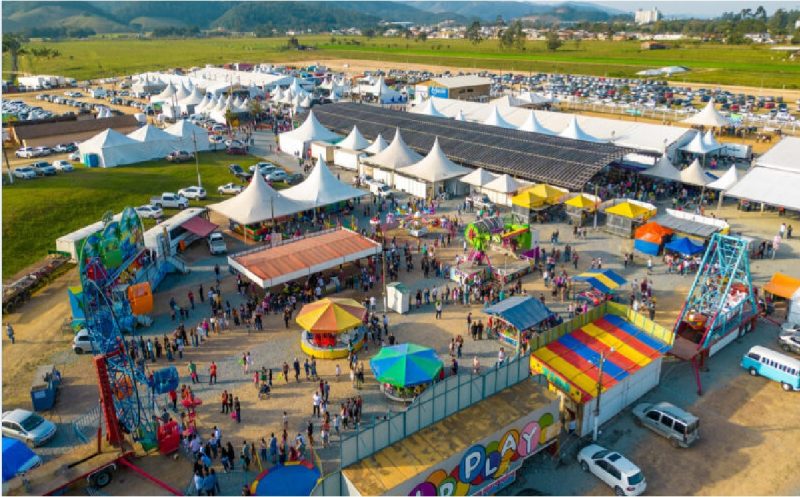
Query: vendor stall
650	238
516	318
684	246
540	203
333	327
405	370
603	282
580	207
623	216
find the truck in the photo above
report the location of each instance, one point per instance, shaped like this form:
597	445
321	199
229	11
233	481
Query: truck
170	200
216	243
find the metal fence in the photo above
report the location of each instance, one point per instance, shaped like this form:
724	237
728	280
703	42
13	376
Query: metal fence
86	425
434	404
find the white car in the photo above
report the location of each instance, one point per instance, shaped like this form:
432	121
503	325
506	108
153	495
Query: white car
234	143
75	156
63	165
614	469
82	342
149	211
277	175
25	172
193	192
215	138
230	189
27	426
26	152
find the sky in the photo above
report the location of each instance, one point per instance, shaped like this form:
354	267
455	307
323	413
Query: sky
700	8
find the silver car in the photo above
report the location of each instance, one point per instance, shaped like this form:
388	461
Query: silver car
789	340
669	421
28	427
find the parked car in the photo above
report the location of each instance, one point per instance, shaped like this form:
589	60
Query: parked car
65	147
236	151
215	139
180	156
25	152
28	426
193	192
613	469
234	143
264	168
790	340
294	178
230	189
216	243
42	151
149	211
671	422
24	172
63	166
82	342
170	200
43	168
236	170
75	156
276	175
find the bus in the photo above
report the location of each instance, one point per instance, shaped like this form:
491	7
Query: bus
761	361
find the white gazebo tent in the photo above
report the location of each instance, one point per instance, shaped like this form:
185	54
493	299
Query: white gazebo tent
156	143
190	136
710	142
428	109
694	175
501	189
166	95
495	119
575	132
479	178
257	203
392	158
349	151
533	125
726	182
377	146
700	145
664	169
321	188
296	142
112	148
709	116
432	175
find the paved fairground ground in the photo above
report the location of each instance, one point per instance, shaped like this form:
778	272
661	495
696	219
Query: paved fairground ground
749	425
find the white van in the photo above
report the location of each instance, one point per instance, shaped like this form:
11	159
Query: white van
216	243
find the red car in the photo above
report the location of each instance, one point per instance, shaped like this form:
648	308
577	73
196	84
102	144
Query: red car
236	151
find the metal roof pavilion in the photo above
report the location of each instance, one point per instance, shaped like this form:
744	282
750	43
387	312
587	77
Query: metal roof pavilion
522	154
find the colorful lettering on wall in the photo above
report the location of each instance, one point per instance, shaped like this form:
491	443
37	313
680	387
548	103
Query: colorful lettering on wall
556	380
482	465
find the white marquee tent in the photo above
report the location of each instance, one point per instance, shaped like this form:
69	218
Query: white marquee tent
664	169
701	146
354	140
575	132
501	189
156	143
479	178
694	175
297	141
431	175
258	202
727	180
533	125
775	179
709	116
393	157
495	119
321	188
427	109
112	148
188	134
378	145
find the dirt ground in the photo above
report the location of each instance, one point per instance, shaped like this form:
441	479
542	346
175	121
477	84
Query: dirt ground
748	441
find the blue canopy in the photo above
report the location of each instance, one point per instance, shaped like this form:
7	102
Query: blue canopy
15	455
646	247
683	245
520	312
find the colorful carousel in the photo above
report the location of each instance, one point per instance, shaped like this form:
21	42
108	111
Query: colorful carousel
292	478
405	370
333	327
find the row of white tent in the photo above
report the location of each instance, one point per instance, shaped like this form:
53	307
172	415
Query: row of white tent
146	143
259	202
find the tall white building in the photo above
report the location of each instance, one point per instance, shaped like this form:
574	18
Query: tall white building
647	16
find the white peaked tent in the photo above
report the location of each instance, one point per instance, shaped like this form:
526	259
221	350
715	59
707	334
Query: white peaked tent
431	175
200	108
258	202
305	102
277	96
297	141
321	188
182	93
141	118
501	189
354	141
694	175
155	142
377	146
727	180
701	146
574	132
428	109
664	169
534	126
495	119
166	95
385	94
460	116
393	157
237	102
479	178
709	116
188	134
710	142
112	148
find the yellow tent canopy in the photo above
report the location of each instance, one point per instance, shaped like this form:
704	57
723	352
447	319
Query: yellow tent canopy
538	195
331	315
631	211
581	201
527	200
782	285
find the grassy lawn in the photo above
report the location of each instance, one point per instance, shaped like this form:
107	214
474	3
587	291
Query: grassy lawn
749	65
36	212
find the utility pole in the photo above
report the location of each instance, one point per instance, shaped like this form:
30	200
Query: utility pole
196	160
603	357
8	166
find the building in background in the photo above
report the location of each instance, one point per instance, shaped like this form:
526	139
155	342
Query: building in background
468	87
648	16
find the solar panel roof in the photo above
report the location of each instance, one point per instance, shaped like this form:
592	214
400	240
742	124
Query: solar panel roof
530	156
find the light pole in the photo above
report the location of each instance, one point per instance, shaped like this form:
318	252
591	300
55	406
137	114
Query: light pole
196	159
603	358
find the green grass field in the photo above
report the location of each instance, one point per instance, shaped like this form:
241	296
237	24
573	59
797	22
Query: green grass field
36	212
748	65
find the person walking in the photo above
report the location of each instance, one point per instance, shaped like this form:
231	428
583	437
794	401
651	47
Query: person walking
273	448
286	372
210	483
224	401
296	365
212	373
244	456
193	372
315	401
438	309
237	408
10	332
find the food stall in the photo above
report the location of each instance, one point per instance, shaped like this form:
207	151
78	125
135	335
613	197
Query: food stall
516	318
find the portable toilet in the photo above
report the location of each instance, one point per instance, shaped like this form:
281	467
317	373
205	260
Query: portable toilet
44	387
91	160
398	297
